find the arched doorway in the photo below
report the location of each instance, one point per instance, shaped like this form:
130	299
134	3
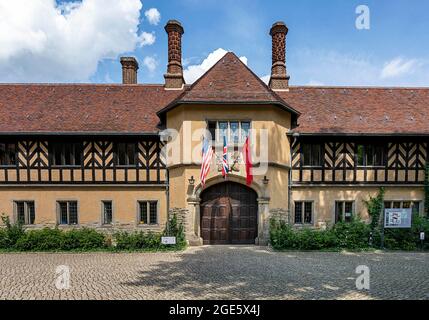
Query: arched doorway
229	214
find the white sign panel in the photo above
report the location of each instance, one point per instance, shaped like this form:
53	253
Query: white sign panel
422	236
168	240
397	218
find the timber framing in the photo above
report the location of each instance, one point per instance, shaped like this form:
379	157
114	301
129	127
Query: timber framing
403	162
98	163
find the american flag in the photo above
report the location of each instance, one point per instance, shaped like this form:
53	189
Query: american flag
225	167
207	155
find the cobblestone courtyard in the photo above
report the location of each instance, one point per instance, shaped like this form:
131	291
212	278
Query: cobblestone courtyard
222	272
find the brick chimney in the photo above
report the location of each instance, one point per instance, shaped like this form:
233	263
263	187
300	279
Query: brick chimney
174	76
129	70
279	79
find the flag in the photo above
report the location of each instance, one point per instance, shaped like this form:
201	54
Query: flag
207	154
225	167
248	161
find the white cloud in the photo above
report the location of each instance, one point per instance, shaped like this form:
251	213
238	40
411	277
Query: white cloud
151	63
398	67
153	16
193	72
41	41
147	39
333	68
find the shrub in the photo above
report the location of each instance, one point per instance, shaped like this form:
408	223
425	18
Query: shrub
40	240
351	235
84	239
150	240
10	234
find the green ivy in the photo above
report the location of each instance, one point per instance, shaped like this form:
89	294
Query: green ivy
374	206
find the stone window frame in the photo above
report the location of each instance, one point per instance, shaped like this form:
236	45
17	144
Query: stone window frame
353	213
26	213
58	208
303	223
138	216
102	205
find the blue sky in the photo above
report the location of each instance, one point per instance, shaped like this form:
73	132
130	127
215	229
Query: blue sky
323	45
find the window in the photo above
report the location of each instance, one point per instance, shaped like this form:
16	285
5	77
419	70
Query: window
303	212
67	212
24	211
65	154
7	154
344	211
126	154
148	212
414	205
370	155
312	154
234	131
107	212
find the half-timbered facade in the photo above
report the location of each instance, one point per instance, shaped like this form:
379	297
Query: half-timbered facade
126	156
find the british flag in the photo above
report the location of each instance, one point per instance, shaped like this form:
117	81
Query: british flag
207	155
225	167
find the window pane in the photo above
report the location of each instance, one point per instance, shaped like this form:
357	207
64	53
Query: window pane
359	155
339	211
31	212
223	131
396	204
406	204
63	213
107	212
143	212
234	128
131	153
20	213
348	211
387	205
416	206
369	151
153	212
212	129
378	156
316	155
306	154
308	210
73	212
245	128
298	212
121	157
77	154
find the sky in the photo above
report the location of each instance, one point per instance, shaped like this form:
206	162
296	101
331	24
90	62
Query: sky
81	41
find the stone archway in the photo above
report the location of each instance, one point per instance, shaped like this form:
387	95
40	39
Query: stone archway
228	214
193	220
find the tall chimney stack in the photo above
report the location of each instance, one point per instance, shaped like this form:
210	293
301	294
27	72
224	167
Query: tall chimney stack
174	76
129	70
279	79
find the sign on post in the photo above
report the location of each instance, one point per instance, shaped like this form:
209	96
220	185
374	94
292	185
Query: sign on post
422	236
168	240
397	218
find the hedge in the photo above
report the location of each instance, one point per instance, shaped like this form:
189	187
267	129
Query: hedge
14	237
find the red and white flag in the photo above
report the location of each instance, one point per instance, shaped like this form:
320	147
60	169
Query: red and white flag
247	154
207	155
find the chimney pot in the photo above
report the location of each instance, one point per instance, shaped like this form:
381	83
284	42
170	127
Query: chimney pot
129	70
279	79
174	76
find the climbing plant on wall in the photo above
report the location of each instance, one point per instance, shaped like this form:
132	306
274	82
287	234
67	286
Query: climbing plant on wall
374	206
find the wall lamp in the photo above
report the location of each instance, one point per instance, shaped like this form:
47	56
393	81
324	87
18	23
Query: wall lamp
191	181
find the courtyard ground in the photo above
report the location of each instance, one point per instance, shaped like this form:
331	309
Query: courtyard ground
215	272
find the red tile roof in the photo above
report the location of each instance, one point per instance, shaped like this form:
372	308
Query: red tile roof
43	108
353	110
118	108
229	81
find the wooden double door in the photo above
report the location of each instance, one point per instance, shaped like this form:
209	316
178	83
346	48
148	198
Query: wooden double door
229	214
